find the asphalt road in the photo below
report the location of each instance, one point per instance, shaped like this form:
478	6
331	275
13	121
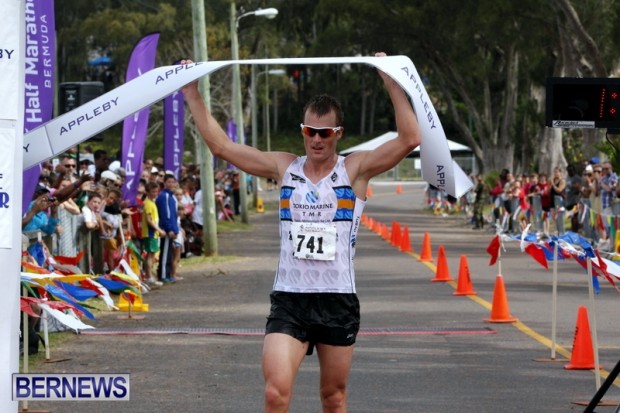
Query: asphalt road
431	352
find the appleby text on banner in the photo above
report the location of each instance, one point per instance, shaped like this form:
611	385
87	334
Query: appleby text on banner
438	167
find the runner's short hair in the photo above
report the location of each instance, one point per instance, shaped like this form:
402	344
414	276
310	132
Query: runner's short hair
322	105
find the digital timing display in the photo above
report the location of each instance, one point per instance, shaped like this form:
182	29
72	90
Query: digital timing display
583	103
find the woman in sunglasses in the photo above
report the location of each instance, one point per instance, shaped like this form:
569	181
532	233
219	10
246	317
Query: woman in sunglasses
322	195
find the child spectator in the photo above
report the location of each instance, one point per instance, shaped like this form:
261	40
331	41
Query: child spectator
186	199
90	211
135	224
178	244
91	217
222	202
151	232
167	208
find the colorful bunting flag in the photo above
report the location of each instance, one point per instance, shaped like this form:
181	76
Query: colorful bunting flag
538	254
493	249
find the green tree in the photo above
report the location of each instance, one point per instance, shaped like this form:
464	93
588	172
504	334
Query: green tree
484	63
584	48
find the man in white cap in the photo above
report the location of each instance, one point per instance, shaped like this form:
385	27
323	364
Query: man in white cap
154	175
109	178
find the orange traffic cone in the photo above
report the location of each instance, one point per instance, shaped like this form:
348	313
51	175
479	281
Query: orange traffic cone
464	285
500	312
395	238
582	357
399	189
369	191
442	273
405	242
385	232
372	225
426	254
378	228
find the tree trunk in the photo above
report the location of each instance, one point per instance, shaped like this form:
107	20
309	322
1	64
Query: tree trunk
493	123
578	56
507	131
551	152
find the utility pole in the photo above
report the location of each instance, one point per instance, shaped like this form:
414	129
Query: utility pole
209	218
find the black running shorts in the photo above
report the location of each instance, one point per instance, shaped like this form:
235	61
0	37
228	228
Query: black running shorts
327	318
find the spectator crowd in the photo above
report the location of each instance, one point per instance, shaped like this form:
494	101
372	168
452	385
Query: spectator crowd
77	207
584	199
78	210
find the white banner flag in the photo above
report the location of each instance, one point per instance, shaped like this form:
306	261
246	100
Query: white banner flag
10	85
8	200
66	131
9	47
12	35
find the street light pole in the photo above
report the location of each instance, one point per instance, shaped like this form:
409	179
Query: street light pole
254	77
269	13
238	108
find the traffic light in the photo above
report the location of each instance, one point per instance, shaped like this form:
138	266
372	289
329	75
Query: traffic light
74	94
297	73
299	77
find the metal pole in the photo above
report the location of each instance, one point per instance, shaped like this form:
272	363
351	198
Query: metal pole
554	300
254	133
254	81
267	120
275	110
593	326
209	233
238	108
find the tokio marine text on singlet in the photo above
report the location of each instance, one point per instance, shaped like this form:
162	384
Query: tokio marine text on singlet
318	230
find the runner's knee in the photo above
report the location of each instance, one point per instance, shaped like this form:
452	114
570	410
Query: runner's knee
276	399
334	398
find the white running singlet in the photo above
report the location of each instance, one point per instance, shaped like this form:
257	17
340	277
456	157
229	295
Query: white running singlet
318	231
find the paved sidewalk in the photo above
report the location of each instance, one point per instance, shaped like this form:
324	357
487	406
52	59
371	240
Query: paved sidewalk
429	352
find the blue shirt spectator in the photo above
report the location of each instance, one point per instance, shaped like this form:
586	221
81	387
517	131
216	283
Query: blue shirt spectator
36	217
167	206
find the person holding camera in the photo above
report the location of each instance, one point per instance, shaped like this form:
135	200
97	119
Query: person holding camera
37	216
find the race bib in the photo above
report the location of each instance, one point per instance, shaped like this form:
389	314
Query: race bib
314	240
